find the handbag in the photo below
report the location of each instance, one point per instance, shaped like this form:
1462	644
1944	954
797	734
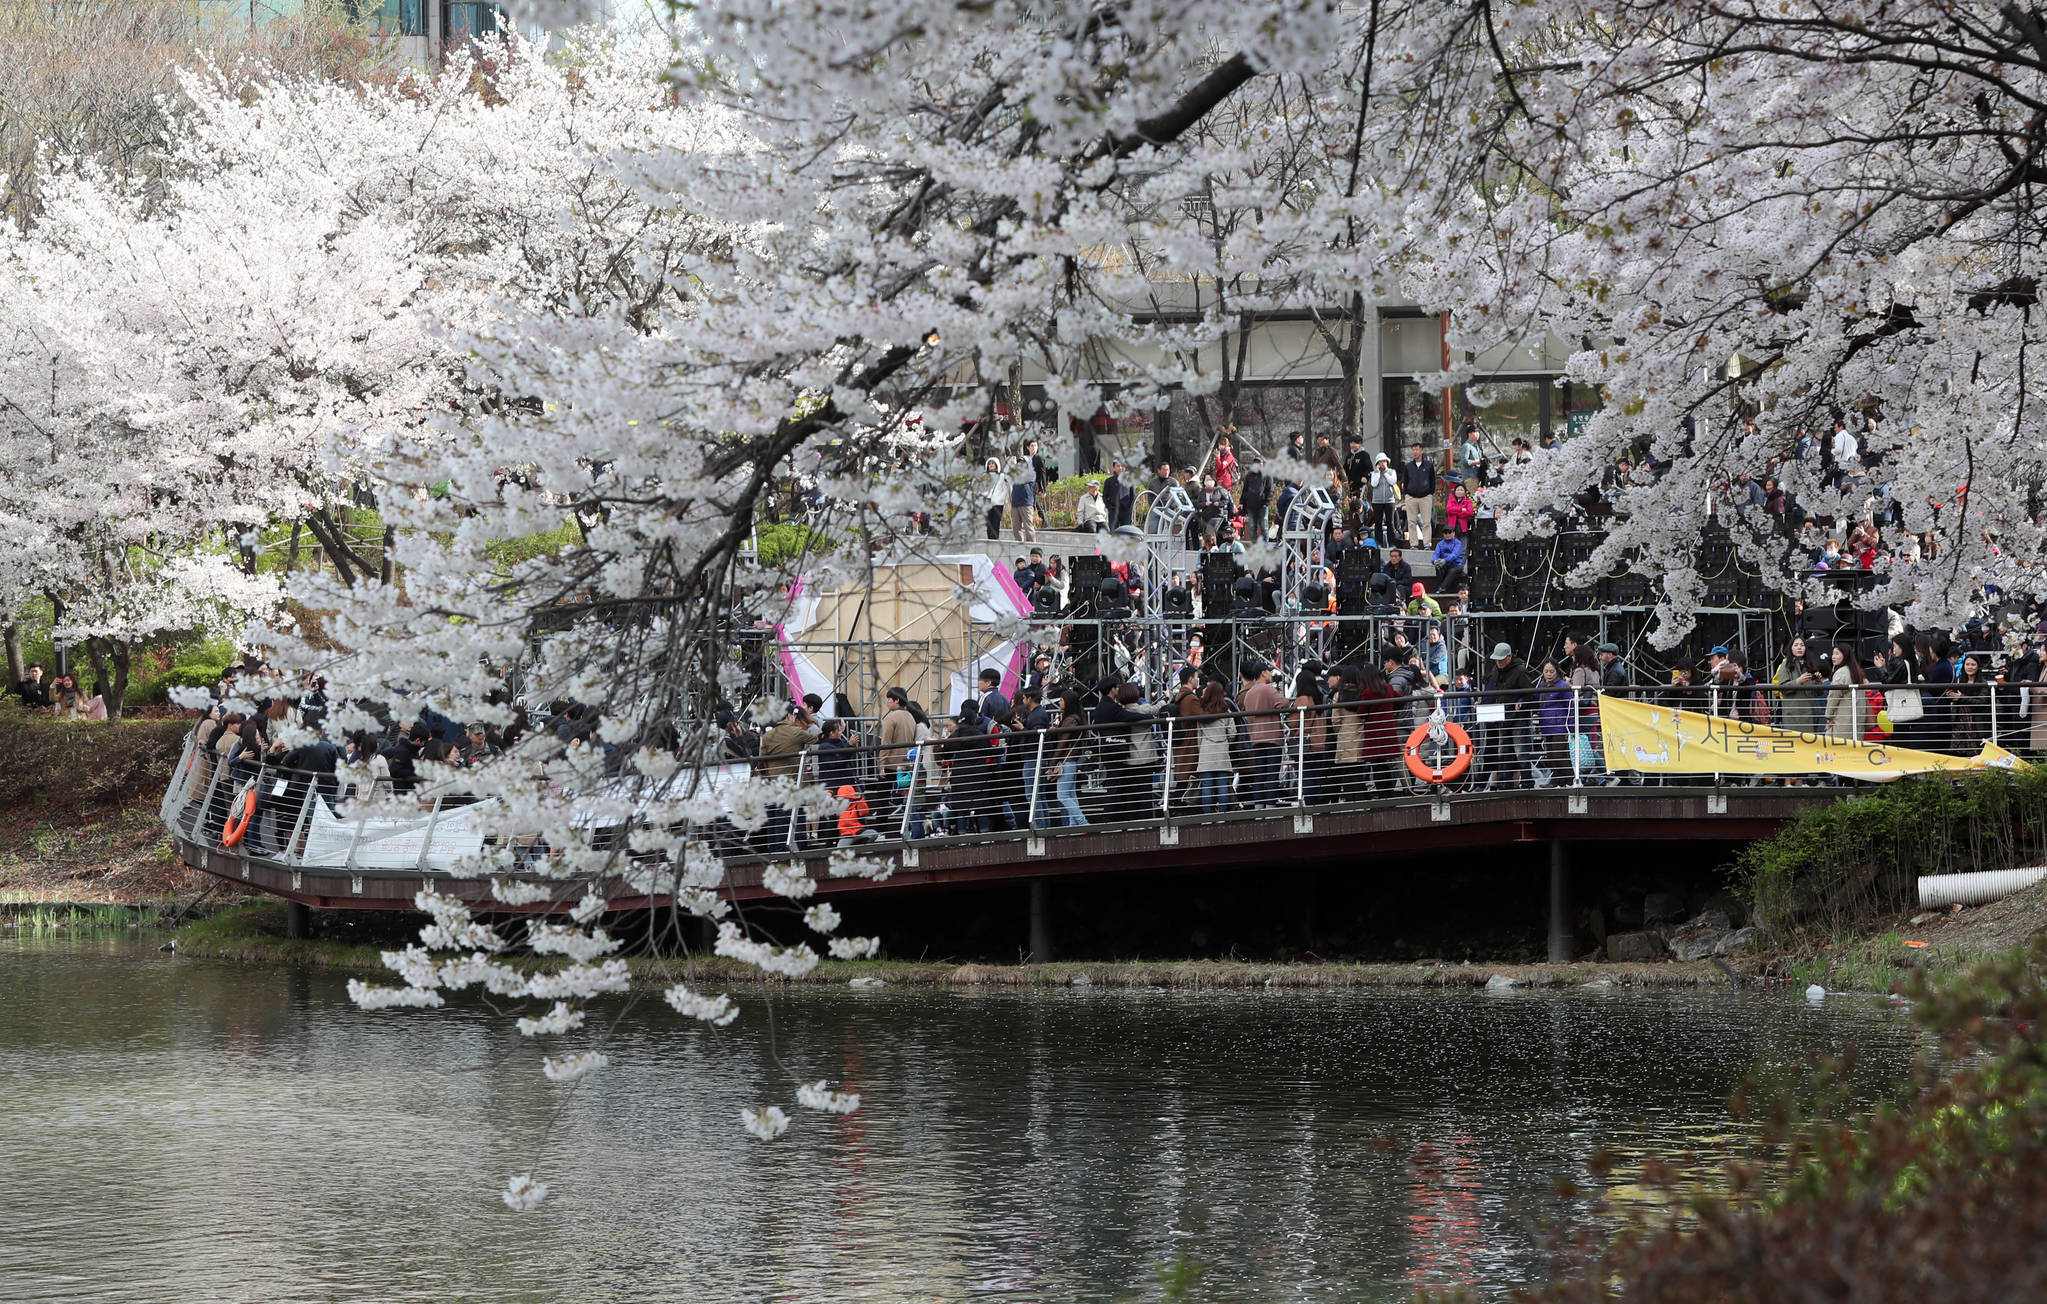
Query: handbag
1584	752
1904	704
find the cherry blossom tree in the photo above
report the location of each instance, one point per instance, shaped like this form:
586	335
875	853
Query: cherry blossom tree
892	223
1796	212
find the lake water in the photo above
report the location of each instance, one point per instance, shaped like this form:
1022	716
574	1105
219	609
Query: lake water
184	1130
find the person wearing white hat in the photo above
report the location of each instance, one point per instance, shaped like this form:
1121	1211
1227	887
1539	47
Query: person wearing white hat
1382	487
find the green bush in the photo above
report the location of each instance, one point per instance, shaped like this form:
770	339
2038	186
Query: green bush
1062	499
186	675
782	543
1852	863
508	553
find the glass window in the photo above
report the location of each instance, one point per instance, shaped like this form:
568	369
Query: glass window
412	17
1128	437
1189	423
1505	410
1571	406
1410	344
1325	413
468	19
1269	416
1410	413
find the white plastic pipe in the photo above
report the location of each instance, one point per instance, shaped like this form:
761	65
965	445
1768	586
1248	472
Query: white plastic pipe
1975	889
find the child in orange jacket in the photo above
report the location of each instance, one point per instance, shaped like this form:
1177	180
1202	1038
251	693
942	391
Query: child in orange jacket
851	829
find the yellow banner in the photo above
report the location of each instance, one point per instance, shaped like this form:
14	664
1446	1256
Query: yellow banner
1658	739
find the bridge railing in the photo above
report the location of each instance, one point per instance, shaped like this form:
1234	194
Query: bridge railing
1114	763
1150	762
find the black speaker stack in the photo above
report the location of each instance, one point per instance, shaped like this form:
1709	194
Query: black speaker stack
1087	573
1354	570
1219	570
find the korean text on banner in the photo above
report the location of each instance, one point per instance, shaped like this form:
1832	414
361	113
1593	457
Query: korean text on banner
1656	739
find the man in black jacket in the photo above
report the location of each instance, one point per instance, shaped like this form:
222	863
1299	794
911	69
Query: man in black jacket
1398	571
1613	672
1119	495
1508	687
34	692
1418	496
1357	469
994	706
1257	497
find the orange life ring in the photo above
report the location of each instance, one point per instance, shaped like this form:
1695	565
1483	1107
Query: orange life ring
238	820
1459	763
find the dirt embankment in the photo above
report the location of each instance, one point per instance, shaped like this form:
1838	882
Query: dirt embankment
78	818
1933	942
1982	930
90	854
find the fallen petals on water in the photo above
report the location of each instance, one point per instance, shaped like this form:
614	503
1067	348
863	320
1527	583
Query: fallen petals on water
815	1095
570	1068
767	1124
523	1193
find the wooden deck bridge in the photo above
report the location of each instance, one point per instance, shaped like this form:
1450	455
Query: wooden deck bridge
1358	834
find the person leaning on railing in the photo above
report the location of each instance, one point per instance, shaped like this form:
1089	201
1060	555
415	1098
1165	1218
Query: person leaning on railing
1553	724
1847	710
1382	715
1063	754
1125	723
1183	703
1347	776
969	758
781	756
1313	743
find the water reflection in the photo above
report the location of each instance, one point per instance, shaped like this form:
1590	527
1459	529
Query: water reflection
195	1131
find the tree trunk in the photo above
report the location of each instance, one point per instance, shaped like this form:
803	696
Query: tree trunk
1014	397
17	670
332	538
110	660
291	559
234	537
387	565
63	666
122	656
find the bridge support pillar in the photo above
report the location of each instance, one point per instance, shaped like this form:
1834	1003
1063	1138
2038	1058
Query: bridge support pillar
1041	922
298	919
1562	927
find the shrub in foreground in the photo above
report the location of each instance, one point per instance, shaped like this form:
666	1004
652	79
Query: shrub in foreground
1939	1196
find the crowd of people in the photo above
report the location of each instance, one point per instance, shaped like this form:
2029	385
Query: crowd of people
232	749
1389	505
1050	750
60	696
1057	752
1091	735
